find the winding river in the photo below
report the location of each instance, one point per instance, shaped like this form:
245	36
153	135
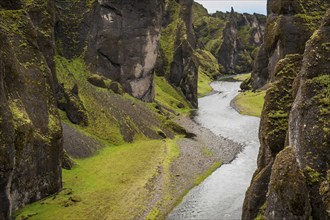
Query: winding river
221	195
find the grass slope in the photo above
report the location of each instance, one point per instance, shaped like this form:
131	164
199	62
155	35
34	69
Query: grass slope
250	103
204	82
117	183
170	97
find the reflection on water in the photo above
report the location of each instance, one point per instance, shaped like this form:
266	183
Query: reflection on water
221	195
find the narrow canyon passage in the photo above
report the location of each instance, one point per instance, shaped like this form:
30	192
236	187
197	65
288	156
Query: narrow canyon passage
221	195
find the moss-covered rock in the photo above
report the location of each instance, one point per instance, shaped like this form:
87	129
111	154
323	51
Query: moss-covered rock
178	46
287	196
273	128
310	117
230	37
295	114
30	129
286	22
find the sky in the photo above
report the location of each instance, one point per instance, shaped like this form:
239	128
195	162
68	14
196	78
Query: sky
248	6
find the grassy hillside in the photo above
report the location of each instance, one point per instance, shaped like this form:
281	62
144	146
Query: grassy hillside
117	183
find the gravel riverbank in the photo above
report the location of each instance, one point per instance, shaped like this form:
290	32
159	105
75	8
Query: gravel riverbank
199	156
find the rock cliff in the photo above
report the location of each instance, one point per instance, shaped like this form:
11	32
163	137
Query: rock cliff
119	40
233	38
103	48
30	130
286	22
177	60
292	178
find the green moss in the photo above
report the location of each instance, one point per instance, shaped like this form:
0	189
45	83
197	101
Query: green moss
278	114
312	21
261	213
154	214
320	94
169	33
170	97
102	122
13	21
208	29
244	37
250	103
204	81
312	175
208	70
19	113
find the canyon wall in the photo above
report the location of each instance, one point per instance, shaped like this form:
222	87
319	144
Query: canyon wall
176	60
30	130
232	38
292	178
289	25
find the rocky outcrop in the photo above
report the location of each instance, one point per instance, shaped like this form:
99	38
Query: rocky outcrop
286	22
242	36
233	38
309	123
30	129
178	46
272	131
291	182
123	43
118	39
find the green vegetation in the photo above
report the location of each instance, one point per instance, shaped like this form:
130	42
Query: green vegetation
244	35
208	29
108	183
242	77
170	97
208	70
169	34
204	81
102	122
312	175
261	214
250	103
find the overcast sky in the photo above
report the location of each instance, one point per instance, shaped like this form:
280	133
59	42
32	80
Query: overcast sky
248	6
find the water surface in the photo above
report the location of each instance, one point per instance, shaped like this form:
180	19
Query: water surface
221	195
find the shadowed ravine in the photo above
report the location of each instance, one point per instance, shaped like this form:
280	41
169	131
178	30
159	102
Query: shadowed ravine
221	195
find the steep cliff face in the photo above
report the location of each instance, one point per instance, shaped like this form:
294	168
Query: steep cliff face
286	22
178	45
242	36
118	39
30	130
309	123
233	38
123	44
291	182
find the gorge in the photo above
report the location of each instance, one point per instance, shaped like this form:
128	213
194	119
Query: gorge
95	99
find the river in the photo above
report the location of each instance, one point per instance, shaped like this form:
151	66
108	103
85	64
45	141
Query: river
221	195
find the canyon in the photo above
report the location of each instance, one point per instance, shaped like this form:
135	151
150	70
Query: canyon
80	79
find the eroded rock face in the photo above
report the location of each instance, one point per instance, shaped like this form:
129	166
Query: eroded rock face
296	115
30	129
287	193
286	22
233	38
242	35
272	132
309	122
123	43
177	60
